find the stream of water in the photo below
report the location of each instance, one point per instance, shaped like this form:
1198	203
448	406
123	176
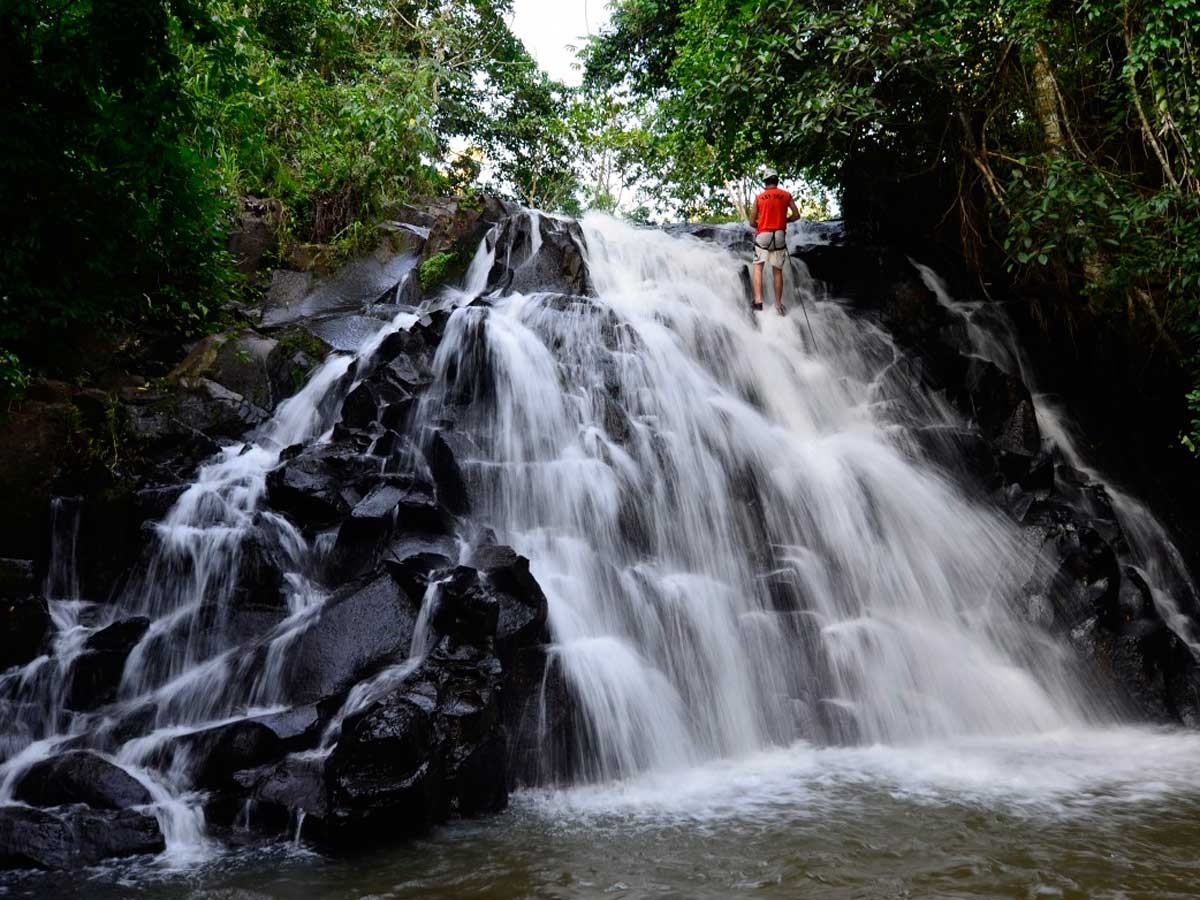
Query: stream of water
795	644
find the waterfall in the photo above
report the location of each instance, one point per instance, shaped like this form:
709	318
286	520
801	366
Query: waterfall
738	545
1159	561
741	539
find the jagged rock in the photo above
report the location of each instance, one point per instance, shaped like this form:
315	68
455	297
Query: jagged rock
466	610
405	358
557	265
95	674
24	628
522	604
316	487
406	503
360	629
69	838
442	452
433	746
80	776
366	402
1002	407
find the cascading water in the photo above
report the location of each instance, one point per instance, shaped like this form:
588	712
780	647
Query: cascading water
737	547
1154	553
741	541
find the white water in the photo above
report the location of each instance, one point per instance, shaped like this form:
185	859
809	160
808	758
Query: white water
736	547
1154	553
739	547
184	670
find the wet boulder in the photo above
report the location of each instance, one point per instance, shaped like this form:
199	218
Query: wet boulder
432	747
522	606
360	629
414	560
288	797
539	253
365	404
405	504
73	837
405	358
95	674
443	451
1002	407
540	718
384	770
466	610
24	629
214	754
296	728
80	776
316	487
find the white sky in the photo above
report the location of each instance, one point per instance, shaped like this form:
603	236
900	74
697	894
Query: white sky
546	27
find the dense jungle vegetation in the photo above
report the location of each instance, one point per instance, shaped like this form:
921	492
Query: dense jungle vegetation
1055	142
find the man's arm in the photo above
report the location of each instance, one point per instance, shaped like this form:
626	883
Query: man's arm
754	213
793	211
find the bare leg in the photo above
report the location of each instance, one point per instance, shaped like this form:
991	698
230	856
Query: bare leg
778	289
758	273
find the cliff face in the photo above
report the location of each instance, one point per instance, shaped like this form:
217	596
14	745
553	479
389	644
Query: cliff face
1128	614
280	599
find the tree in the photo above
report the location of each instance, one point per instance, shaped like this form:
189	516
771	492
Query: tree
1058	140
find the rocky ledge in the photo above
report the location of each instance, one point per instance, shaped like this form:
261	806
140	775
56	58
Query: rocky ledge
1095	590
325	722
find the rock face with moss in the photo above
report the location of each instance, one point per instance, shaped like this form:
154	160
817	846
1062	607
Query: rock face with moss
362	751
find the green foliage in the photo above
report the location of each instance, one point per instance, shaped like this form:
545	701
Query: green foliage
105	209
1064	138
436	269
130	131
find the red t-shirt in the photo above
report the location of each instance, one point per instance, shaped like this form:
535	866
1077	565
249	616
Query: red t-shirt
773	206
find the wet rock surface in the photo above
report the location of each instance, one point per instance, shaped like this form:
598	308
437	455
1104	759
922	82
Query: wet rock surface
1090	589
406	651
80	777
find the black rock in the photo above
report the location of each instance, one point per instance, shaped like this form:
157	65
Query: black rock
73	837
414	560
95	674
466	610
24	629
558	265
213	755
523	606
1002	407
297	728
119	637
316	487
80	776
433	746
360	629
442	452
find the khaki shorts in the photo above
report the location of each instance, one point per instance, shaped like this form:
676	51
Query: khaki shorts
765	251
777	258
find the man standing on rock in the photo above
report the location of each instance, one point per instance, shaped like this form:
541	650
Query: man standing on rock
773	210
